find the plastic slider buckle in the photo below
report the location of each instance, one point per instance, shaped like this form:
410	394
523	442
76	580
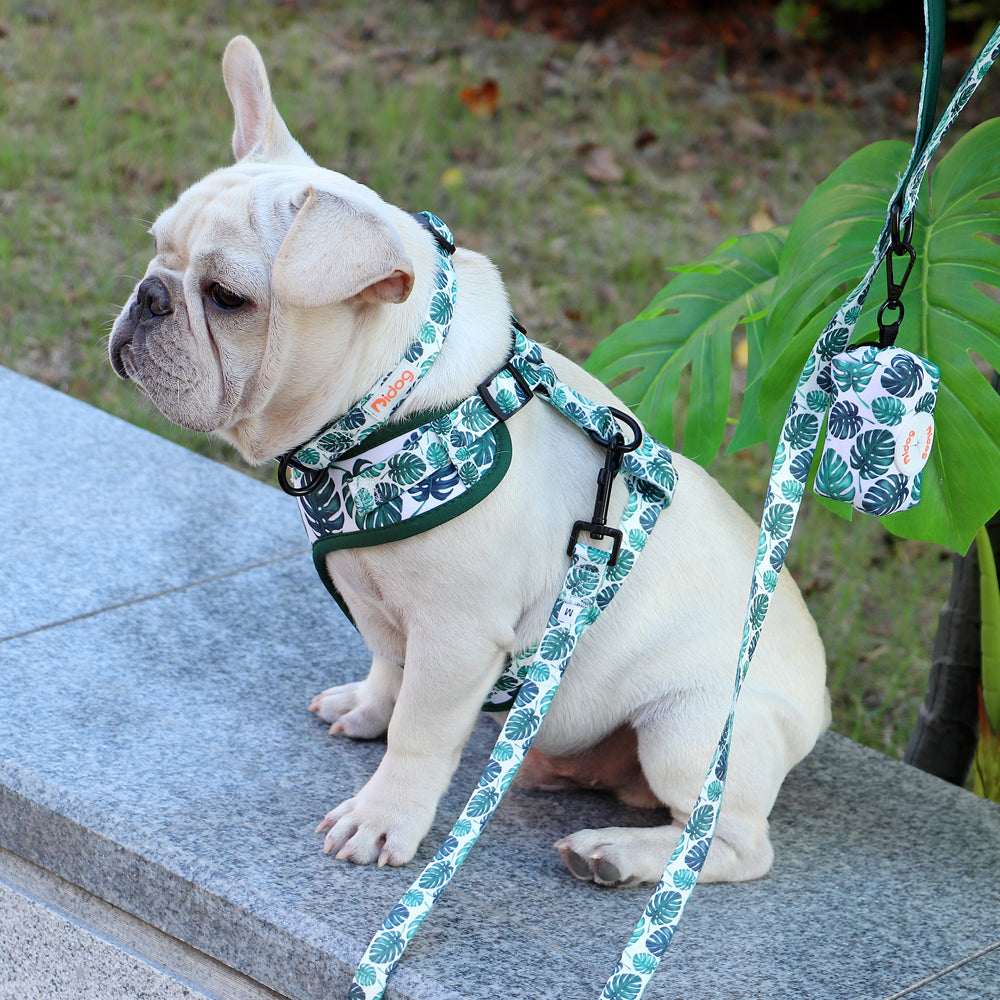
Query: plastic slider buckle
487	396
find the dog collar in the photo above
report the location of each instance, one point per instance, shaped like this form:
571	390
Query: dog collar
374	410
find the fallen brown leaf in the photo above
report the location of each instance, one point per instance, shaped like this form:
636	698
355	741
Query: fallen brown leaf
600	165
482	100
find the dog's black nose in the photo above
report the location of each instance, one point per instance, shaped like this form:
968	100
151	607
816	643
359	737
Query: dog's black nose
152	299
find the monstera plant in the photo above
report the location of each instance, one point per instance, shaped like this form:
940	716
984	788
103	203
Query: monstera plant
782	287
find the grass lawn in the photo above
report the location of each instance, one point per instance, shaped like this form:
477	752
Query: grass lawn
584	165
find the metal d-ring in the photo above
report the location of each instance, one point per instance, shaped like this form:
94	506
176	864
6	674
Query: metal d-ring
900	242
633	425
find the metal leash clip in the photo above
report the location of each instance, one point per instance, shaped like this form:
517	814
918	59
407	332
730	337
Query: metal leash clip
616	448
309	483
899	246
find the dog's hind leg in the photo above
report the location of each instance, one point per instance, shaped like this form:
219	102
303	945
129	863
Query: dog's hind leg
675	753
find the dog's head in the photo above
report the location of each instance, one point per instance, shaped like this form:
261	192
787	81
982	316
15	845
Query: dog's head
268	285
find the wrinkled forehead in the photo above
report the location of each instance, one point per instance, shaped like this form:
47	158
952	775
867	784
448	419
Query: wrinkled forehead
230	208
236	211
237	217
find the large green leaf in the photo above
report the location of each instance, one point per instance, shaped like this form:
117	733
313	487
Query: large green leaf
786	289
691	322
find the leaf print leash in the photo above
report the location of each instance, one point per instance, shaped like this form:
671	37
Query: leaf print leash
900	371
592	580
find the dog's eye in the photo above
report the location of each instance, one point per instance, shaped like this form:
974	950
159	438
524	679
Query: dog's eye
224	298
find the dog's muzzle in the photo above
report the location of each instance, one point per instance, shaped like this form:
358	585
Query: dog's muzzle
152	300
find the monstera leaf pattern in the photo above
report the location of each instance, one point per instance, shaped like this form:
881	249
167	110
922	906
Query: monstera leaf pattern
873	395
410	475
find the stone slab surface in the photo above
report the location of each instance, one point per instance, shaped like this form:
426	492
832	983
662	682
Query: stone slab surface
155	751
45	956
95	512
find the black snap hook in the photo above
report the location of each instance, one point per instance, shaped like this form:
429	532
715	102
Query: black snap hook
900	242
887	332
895	288
311	482
598	526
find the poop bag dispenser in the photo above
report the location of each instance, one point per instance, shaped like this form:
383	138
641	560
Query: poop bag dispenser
880	428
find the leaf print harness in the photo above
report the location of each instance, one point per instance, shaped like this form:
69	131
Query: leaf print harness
362	481
408	478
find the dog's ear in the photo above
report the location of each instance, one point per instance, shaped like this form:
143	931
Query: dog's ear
335	251
260	132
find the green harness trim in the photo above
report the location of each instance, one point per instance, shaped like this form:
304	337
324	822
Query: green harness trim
394	532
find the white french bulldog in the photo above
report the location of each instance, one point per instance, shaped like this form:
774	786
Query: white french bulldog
279	294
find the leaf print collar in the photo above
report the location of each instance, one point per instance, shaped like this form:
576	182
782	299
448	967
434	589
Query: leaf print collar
374	409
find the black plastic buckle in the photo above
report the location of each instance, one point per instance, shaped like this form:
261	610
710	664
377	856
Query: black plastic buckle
288	461
616	448
487	397
448	248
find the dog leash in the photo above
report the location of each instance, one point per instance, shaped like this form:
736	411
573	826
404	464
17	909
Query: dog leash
789	474
592	580
353	485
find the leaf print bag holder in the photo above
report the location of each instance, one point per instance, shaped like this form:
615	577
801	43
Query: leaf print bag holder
880	429
880	425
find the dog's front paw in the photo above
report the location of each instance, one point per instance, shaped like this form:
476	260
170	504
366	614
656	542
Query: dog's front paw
353	710
366	831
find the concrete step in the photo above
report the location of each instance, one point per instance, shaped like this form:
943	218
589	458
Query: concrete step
161	632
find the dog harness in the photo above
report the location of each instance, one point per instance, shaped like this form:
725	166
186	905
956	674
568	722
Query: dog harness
362	481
